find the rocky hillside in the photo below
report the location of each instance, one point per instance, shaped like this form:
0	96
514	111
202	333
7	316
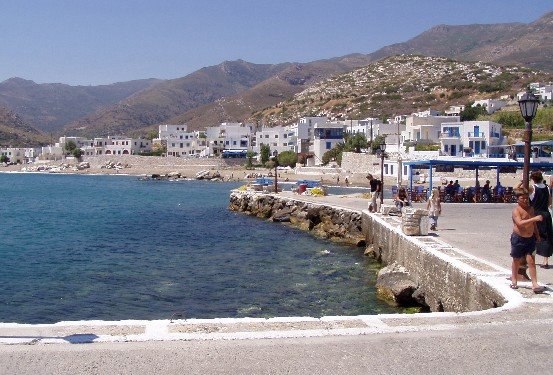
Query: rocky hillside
401	85
51	106
529	45
14	132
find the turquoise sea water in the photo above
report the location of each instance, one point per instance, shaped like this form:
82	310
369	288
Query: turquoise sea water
112	247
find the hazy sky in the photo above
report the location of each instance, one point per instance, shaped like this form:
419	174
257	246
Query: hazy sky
95	42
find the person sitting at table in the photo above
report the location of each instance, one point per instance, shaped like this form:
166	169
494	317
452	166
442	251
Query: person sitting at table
487	191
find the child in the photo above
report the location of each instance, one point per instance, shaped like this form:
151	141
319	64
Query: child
523	239
434	207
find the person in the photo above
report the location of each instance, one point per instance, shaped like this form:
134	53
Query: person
346	181
400	199
487	191
456	186
523	239
450	189
376	190
540	200
434	207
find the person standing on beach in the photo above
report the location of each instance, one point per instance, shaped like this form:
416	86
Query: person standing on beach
376	190
523	239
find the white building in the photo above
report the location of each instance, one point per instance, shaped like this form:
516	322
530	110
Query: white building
119	145
425	128
55	152
22	155
179	141
278	138
491	105
454	110
326	136
229	136
474	135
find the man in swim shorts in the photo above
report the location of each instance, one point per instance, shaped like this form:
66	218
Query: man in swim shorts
523	239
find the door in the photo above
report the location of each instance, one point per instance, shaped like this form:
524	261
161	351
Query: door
453	150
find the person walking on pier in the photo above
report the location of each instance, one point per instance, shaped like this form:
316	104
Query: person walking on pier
523	239
434	207
376	190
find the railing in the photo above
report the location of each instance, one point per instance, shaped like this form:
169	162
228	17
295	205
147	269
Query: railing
476	135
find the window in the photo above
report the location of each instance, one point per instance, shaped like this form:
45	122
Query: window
483	145
328	145
385	168
276	136
391	169
181	145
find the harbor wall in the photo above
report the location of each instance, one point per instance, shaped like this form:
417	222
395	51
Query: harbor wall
439	281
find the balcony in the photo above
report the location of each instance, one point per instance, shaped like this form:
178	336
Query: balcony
476	136
448	135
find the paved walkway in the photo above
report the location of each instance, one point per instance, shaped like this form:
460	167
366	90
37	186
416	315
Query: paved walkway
480	229
513	339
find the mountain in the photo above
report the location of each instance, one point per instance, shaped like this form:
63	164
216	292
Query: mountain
51	106
234	90
530	45
295	78
401	85
14	132
218	87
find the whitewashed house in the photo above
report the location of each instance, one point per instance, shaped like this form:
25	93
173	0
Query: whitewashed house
425	128
491	105
229	136
278	138
119	145
22	155
326	136
179	141
477	136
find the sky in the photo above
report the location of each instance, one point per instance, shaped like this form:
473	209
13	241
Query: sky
97	42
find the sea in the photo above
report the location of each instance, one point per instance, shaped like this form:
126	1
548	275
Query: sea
81	247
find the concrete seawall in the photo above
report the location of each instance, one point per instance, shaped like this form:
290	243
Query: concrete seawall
447	280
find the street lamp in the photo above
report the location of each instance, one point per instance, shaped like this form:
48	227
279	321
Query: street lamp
274	159
528	104
382	147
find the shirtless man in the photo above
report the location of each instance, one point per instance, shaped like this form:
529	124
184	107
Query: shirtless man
523	239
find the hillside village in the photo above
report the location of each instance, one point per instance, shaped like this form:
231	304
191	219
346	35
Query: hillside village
312	137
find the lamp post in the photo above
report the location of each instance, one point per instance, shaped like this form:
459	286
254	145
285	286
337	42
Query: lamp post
528	105
382	147
274	159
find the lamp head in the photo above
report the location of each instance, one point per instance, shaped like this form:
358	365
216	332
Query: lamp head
382	146
528	105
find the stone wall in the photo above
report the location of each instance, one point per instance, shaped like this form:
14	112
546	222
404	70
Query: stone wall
337	224
443	285
360	163
435	279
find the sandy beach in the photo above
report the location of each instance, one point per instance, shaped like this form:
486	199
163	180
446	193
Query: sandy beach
235	170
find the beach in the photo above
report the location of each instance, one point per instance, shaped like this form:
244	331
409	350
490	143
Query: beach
235	170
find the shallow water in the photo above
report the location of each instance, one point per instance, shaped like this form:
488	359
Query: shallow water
76	247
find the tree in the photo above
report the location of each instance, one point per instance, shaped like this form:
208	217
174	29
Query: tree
356	142
265	153
471	113
334	154
4	159
69	146
375	145
152	134
250	155
77	153
287	158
